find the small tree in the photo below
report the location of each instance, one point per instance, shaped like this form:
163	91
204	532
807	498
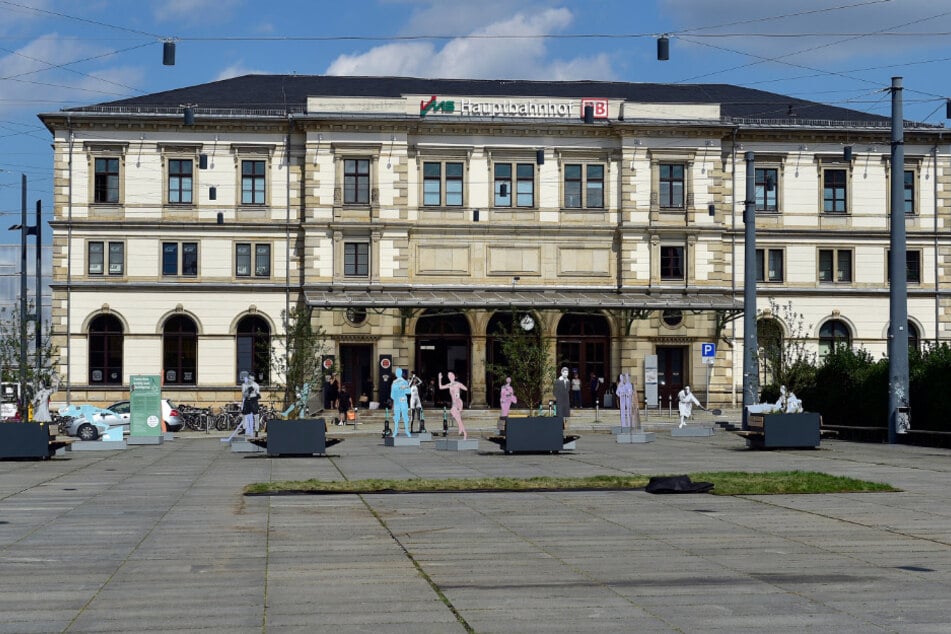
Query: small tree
527	361
10	351
299	363
785	360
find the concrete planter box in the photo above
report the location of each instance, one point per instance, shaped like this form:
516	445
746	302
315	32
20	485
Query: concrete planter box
789	431
534	434
25	440
302	437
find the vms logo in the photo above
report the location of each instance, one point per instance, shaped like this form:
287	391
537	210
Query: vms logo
425	107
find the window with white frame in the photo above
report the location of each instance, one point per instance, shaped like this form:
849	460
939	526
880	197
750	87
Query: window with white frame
443	183
584	185
769	265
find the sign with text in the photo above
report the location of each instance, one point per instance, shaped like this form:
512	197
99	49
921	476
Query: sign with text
145	401
708	352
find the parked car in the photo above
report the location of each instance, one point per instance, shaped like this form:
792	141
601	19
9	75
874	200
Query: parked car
89	422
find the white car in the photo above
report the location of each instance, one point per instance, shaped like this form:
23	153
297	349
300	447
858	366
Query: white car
88	422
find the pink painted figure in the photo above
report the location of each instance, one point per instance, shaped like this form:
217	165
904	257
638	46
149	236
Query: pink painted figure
507	397
456	410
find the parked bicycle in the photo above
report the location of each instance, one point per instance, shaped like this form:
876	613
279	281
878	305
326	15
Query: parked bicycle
196	418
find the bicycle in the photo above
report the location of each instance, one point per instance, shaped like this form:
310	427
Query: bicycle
228	418
196	418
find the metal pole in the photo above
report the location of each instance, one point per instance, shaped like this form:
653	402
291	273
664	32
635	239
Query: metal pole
750	339
38	323
24	410
898	403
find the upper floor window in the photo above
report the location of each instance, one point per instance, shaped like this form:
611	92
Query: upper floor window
834	191
672	185
245	252
672	263
835	265
584	186
96	258
912	266
356	259
180	181
909	191
769	265
766	180
180	258
106	180
523	181
442	184
356	181
253	182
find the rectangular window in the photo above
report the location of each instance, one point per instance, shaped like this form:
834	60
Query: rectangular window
671	263
835	265
356	181
180	181
524	184
834	191
909	192
253	175
769	265
434	184
262	260
912	267
588	179
242	260
116	258
672	186
106	180
188	264
356	259
766	186
96	258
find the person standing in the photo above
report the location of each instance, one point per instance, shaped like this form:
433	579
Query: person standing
250	395
343	405
576	390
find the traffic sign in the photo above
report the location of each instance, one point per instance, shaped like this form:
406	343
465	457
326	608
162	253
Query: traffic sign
708	352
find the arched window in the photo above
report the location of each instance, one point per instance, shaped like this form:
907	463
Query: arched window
254	349
914	337
770	338
180	351
833	334
105	350
584	345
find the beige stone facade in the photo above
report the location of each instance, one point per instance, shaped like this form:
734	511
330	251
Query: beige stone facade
407	232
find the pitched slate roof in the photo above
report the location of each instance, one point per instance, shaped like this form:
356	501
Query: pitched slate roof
290	92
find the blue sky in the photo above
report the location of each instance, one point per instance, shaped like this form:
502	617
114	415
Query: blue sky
60	53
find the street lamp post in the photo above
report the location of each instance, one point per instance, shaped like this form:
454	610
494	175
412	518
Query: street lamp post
750	339
898	398
26	230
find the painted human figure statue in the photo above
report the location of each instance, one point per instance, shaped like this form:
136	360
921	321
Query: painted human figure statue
399	393
41	402
507	397
625	391
455	410
562	392
687	401
415	402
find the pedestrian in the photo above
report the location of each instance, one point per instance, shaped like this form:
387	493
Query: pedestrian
576	390
594	386
343	405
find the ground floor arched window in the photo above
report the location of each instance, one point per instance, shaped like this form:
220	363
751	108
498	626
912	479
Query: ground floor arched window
443	344
253	344
833	334
584	345
105	350
180	351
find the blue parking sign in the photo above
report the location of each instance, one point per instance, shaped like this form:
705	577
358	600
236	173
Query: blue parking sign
708	350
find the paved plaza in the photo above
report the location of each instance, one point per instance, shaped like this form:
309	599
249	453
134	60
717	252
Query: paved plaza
160	539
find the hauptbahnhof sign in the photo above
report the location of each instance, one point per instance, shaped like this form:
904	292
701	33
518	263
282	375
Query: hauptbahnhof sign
544	108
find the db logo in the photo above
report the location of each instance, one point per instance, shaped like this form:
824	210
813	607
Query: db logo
385	364
328	363
600	107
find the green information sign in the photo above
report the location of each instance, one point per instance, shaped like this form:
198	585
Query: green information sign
145	396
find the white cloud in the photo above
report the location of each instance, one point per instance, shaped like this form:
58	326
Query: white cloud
474	57
32	76
237	70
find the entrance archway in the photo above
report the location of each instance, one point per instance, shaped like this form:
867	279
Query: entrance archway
443	344
584	346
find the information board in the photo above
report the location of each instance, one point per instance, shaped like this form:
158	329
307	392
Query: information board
145	399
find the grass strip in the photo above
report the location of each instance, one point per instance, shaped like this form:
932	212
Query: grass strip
725	483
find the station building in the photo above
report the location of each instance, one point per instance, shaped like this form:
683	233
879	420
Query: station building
416	215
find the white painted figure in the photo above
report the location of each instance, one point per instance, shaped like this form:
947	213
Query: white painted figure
41	402
793	404
782	400
687	400
250	394
625	393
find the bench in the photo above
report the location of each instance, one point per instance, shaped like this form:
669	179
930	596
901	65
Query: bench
28	440
782	431
297	437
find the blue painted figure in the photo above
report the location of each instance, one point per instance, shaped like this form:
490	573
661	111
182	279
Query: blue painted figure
399	393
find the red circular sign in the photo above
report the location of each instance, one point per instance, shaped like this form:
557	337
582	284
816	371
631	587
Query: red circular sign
328	363
385	364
